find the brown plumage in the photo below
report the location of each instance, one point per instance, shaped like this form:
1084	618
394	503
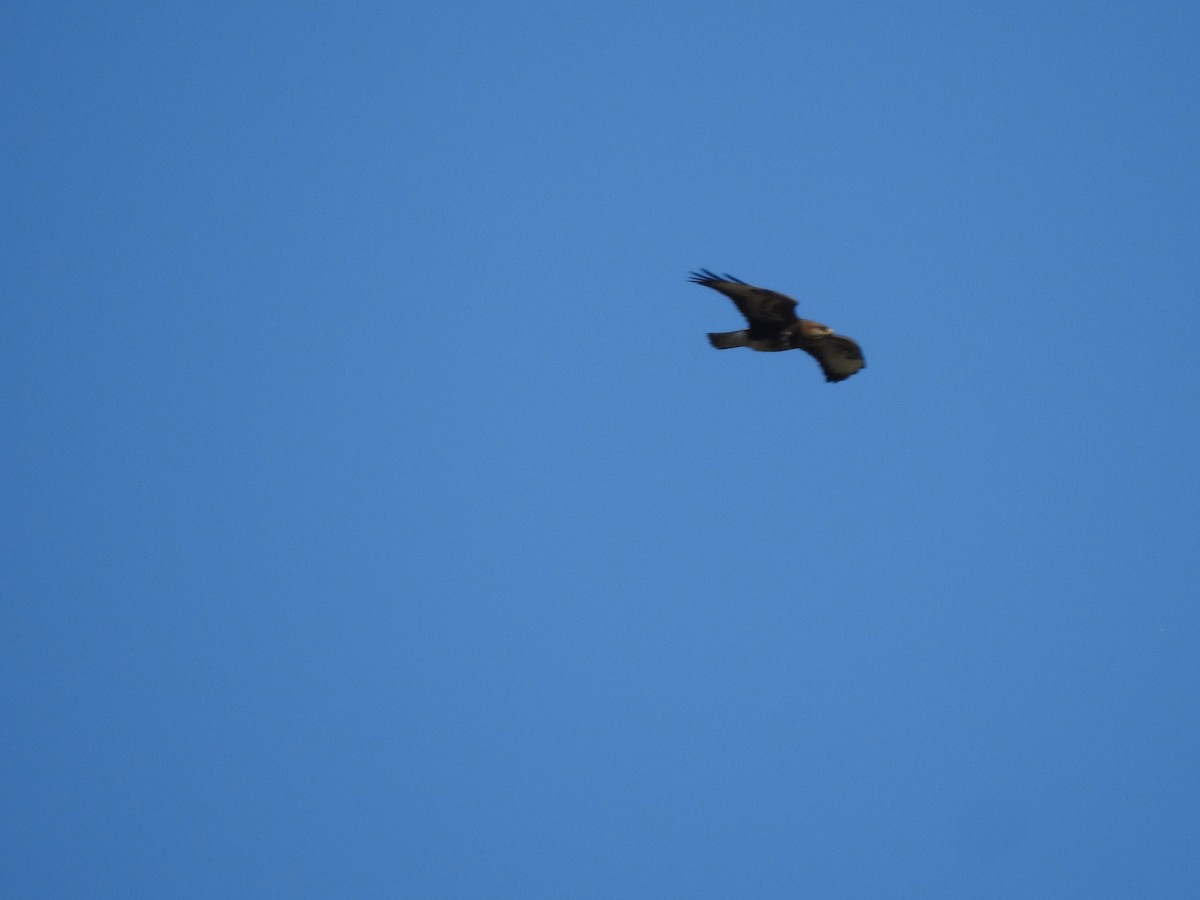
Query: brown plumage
774	326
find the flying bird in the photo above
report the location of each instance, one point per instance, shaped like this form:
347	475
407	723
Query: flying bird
774	326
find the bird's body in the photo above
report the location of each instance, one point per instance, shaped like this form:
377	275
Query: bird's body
774	327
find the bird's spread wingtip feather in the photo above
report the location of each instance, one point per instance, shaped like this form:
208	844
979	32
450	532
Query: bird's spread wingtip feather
708	277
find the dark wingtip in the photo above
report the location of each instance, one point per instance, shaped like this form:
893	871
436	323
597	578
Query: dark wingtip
705	277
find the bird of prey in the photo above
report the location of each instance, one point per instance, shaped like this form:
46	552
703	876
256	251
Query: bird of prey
775	326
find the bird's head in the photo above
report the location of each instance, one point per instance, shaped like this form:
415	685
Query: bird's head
815	329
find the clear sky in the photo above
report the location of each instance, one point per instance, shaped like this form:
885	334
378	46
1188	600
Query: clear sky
379	523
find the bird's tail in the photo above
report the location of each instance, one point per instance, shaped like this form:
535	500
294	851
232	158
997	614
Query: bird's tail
724	340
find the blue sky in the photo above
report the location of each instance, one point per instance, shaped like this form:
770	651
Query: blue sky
380	523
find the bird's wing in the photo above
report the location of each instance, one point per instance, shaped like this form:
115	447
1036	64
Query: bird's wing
762	308
839	356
